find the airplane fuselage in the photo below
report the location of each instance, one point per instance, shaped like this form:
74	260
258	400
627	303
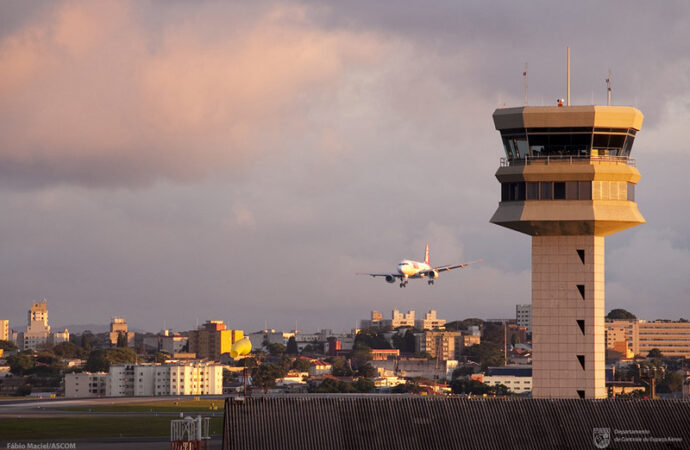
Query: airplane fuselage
413	269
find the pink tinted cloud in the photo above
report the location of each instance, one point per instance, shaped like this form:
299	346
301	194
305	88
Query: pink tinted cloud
91	94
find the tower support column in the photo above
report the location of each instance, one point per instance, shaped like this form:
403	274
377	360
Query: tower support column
568	317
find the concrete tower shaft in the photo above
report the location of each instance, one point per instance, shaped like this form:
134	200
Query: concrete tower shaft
568	180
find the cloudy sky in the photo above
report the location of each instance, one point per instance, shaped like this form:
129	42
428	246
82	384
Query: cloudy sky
184	161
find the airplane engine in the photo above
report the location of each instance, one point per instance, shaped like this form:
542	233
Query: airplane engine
433	274
390	278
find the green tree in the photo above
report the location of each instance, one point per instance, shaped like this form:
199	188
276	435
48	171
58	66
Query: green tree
340	367
121	340
101	360
458	325
330	385
291	346
301	365
486	354
463	371
276	349
620	314
373	338
407	388
514	339
69	350
21	362
366	370
474	387
7	346
405	343
655	353
87	340
364	384
265	376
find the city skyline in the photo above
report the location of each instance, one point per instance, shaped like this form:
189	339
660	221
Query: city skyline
242	162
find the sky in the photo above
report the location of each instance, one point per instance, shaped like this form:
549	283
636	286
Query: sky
175	162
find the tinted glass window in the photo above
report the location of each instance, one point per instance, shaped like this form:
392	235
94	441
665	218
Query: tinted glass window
631	192
546	188
571	190
584	189
533	191
559	190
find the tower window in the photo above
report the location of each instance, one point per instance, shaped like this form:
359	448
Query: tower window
581	359
581	290
581	254
559	190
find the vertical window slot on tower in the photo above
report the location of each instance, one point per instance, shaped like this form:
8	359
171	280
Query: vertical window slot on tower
581	289
581	394
581	324
581	254
581	358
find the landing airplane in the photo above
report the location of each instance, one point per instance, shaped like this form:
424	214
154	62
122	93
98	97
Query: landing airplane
414	269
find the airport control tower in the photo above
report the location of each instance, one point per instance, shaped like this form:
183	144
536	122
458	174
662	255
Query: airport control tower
568	181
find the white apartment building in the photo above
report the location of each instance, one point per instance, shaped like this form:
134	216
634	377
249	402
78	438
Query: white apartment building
523	316
194	378
85	384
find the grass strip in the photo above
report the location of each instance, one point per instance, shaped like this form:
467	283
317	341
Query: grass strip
91	427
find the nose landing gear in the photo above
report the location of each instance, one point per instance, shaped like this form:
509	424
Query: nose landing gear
403	283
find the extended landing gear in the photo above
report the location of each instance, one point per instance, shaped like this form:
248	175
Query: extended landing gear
403	283
430	282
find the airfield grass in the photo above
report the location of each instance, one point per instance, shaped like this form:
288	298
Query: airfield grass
91	427
155	406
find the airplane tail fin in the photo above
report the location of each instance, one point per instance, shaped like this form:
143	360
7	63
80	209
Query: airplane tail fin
426	254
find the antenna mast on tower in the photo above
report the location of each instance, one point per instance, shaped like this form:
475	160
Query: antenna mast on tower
524	88
608	88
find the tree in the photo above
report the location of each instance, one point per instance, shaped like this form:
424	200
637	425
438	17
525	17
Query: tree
21	362
655	353
340	367
265	376
486	354
276	349
69	350
514	339
330	385
301	365
464	324
101	360
121	340
87	339
463	386
404	343
292	346
620	314
372	338
463	371
8	346
366	370
364	385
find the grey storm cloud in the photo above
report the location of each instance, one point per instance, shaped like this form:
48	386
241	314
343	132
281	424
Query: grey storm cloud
241	161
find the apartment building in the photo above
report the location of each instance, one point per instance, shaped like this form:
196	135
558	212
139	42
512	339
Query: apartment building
119	331
517	379
523	316
213	339
638	337
443	345
193	378
85	384
430	321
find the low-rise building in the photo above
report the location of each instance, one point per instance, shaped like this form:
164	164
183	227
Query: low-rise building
523	316
517	379
85	384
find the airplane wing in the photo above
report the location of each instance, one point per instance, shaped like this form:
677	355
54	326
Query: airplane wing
455	266
395	275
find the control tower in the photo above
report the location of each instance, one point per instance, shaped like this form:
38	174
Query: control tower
568	181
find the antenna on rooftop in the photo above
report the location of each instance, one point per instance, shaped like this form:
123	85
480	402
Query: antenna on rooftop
568	80
608	88
524	88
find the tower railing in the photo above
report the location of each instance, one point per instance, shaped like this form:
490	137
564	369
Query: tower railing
571	159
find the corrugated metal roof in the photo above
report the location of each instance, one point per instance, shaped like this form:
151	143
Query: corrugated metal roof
411	422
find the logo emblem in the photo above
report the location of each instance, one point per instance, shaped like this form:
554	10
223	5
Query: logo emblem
601	437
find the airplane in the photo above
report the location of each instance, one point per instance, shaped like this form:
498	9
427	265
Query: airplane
414	269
